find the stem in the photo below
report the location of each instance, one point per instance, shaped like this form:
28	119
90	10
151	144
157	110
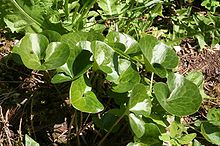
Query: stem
24	13
119	119
151	83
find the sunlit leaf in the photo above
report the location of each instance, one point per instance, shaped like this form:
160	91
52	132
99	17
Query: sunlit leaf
82	98
36	52
137	125
179	97
156	52
128	76
139	102
130	44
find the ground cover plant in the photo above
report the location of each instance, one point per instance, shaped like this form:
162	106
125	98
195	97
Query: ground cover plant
101	72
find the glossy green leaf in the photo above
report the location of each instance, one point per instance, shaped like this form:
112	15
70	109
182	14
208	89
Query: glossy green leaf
130	44
82	98
137	125
31	49
211	133
213	116
103	56
128	76
30	142
156	52
52	36
140	102
77	63
179	97
56	55
36	52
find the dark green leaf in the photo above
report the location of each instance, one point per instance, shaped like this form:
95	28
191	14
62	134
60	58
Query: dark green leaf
151	135
52	36
211	133
82	98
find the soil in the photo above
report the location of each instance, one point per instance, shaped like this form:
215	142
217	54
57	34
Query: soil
26	106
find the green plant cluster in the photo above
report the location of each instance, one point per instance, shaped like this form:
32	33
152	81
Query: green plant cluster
75	39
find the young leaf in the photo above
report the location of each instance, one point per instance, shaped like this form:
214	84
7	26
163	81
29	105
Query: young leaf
82	98
140	102
196	77
186	139
180	97
137	125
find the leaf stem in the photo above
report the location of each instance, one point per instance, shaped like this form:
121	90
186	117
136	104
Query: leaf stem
110	130
151	83
24	13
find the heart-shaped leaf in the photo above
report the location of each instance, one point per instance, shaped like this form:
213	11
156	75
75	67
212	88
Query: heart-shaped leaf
77	63
130	44
82	98
137	125
104	57
56	55
128	76
36	52
156	52
180	97
140	102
